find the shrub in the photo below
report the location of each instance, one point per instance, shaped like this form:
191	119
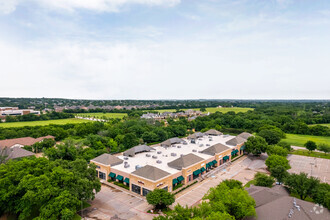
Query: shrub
263	180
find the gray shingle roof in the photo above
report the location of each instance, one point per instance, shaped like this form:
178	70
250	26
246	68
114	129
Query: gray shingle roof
275	203
185	161
151	173
16	152
196	135
245	135
171	141
236	140
107	159
213	132
215	149
137	149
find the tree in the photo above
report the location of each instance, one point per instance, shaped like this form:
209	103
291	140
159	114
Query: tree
271	136
277	150
236	202
276	160
231	183
50	189
263	180
302	184
256	145
202	109
322	195
285	145
310	145
160	198
279	172
324	147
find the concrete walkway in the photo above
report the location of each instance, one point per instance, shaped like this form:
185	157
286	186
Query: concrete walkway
193	196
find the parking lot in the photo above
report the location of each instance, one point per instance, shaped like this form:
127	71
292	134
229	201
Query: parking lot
111	203
316	167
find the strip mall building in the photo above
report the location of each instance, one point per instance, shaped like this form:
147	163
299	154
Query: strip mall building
172	162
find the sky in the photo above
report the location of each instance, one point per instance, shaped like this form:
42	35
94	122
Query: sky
165	49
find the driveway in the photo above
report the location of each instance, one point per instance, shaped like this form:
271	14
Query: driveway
112	203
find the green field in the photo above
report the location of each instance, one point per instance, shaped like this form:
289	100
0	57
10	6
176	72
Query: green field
310	154
300	140
102	115
213	110
41	123
327	125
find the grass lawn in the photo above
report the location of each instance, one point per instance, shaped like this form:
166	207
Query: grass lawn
41	123
300	140
101	115
213	110
312	154
248	184
327	125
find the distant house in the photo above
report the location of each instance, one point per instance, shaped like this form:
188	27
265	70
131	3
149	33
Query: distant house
15	153
21	142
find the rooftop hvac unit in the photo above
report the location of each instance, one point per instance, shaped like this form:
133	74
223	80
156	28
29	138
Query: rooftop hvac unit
158	161
125	158
148	155
137	167
181	155
173	154
179	146
185	143
125	162
207	145
127	166
201	145
200	139
159	152
210	139
194	150
154	156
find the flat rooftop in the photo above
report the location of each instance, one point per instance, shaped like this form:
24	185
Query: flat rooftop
165	156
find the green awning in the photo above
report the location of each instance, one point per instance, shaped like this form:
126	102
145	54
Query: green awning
232	153
207	165
180	178
243	147
214	162
174	181
197	172
120	178
112	175
126	180
236	151
225	157
210	164
203	169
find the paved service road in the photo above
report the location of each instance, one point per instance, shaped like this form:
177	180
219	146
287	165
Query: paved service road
110	202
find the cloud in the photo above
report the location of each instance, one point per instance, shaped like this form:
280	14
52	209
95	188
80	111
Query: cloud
8	6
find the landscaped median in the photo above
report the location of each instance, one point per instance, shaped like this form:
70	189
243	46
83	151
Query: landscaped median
310	154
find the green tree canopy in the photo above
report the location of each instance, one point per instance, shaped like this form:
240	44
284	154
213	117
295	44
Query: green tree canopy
279	172
277	150
302	184
322	195
263	180
52	189
160	198
271	136
324	147
310	145
276	160
256	145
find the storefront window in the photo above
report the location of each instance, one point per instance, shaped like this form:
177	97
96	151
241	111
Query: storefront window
102	175
136	189
145	191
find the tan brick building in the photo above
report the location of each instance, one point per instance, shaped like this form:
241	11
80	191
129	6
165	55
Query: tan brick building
175	161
